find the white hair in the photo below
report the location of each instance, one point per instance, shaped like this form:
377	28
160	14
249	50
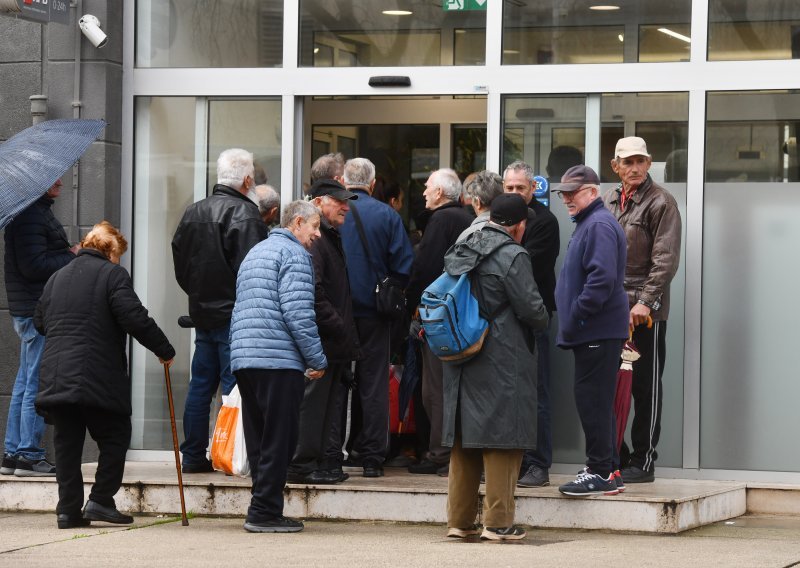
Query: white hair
519	165
233	165
299	208
266	197
359	172
447	179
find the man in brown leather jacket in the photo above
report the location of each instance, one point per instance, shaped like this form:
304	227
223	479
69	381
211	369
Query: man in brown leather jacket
652	223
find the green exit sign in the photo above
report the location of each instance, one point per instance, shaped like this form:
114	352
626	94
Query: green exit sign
463	5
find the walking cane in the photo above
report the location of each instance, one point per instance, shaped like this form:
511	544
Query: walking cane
184	520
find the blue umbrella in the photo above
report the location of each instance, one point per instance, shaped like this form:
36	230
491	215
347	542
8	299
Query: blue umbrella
32	160
409	380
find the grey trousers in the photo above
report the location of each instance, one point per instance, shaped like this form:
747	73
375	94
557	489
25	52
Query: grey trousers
433	401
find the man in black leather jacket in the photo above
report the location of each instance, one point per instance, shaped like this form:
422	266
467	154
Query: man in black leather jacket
211	241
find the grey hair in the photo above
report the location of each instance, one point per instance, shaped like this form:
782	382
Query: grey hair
359	172
299	208
327	166
267	198
520	165
448	180
233	165
485	186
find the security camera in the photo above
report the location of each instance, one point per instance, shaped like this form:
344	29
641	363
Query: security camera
90	26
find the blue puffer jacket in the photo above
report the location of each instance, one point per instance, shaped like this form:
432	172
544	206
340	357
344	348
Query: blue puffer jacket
273	324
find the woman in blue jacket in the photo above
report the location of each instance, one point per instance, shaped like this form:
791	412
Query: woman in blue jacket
274	341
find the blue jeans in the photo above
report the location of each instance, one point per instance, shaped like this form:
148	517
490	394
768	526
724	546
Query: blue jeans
211	365
542	456
25	428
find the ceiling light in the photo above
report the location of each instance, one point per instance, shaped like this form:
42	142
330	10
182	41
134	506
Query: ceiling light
621	38
316	50
397	12
676	35
604	7
511	51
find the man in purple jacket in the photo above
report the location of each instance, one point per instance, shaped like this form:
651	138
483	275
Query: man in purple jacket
593	323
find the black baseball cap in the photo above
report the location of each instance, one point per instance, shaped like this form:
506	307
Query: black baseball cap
331	187
576	177
508	209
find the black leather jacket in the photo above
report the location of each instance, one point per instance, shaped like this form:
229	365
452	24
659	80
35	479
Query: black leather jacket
210	243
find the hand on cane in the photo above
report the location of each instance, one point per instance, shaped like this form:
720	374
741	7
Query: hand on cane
167	362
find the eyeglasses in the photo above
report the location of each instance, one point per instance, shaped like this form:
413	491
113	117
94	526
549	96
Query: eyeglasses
570	195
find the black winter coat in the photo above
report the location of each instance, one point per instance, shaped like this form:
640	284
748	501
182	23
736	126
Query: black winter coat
36	246
210	243
441	232
86	311
541	240
332	303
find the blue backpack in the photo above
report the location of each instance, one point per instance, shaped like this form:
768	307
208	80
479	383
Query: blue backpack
451	319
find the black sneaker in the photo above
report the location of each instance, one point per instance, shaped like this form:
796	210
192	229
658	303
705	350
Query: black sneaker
503	533
202	467
277	525
9	465
34	468
633	474
588	483
535	476
373	470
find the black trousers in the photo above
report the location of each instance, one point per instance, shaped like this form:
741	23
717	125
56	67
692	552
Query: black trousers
433	399
111	431
647	396
372	376
596	366
319	444
271	401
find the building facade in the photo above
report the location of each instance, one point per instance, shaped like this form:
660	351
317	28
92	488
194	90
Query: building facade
712	85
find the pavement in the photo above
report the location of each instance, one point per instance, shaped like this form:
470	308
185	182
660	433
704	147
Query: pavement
32	540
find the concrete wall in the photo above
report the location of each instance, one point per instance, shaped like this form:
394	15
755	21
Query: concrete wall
40	59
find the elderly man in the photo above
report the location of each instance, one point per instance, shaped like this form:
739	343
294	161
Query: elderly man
541	240
210	243
318	457
387	250
488	400
593	323
36	247
652	223
274	341
442	197
269	204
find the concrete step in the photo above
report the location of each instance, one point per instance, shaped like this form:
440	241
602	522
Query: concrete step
665	506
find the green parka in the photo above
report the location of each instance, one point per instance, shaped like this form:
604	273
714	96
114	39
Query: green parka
494	394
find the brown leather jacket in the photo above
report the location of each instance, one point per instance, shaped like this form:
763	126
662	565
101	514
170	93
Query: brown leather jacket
652	225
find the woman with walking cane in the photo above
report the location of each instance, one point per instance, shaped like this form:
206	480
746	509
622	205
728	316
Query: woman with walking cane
85	312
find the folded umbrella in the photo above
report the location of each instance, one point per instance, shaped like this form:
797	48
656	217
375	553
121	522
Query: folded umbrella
32	160
408	381
622	398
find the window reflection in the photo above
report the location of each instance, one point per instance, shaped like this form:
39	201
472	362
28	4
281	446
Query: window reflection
364	33
209	33
753	29
558	32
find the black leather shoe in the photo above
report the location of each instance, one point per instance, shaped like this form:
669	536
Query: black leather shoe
72	521
202	467
96	512
322	477
373	471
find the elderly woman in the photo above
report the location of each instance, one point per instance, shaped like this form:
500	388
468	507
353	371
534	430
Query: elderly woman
274	341
85	313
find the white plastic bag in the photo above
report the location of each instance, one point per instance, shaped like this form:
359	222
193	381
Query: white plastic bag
228	452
